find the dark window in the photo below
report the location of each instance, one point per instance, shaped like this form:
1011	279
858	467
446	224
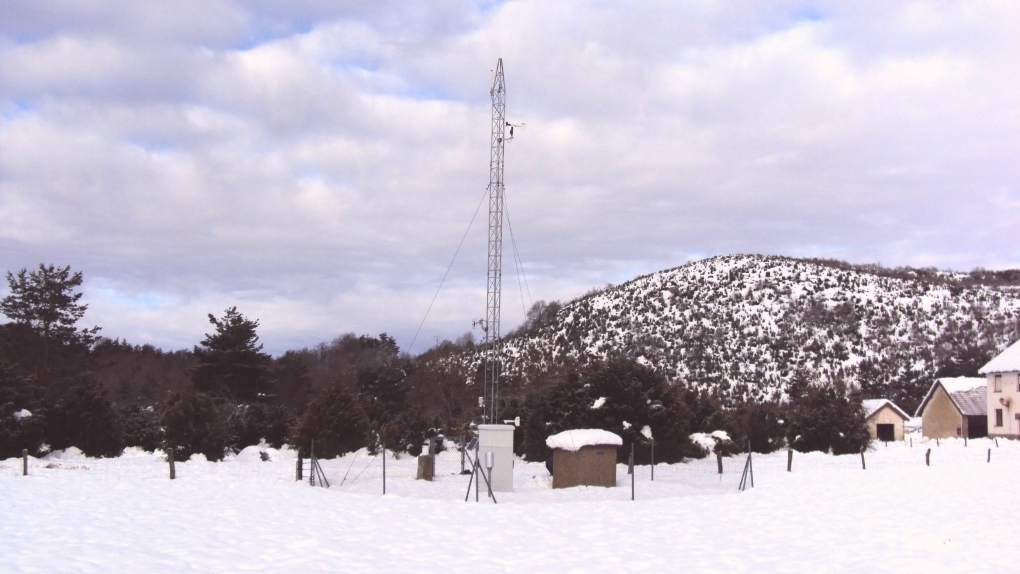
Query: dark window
886	432
998	417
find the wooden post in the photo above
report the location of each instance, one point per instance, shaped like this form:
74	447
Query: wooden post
170	458
996	443
989	455
863	465
24	462
936	441
426	467
927	458
298	469
789	460
718	460
964	441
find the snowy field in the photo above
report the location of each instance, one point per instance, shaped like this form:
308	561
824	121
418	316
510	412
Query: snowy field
73	514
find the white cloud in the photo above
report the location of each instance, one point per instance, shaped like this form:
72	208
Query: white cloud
316	165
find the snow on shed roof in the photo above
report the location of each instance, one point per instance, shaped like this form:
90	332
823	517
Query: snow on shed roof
1007	361
961	384
872	406
969	394
574	440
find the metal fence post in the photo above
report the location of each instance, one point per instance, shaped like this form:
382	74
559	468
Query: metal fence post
631	471
789	460
24	462
653	460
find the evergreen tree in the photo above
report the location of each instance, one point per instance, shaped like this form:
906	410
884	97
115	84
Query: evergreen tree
335	422
44	308
824	417
141	427
192	423
85	418
291	381
620	396
252	423
231	362
22	421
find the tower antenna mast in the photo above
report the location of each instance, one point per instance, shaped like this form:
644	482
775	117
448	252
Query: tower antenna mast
494	279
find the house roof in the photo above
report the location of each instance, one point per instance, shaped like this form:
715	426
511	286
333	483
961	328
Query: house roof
872	406
1007	361
968	394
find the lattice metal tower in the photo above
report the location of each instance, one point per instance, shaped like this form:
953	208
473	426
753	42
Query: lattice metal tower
495	273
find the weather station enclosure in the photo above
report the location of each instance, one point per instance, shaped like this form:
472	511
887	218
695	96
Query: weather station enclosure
499	440
584	457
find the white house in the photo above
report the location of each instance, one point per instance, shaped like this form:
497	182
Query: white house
1003	382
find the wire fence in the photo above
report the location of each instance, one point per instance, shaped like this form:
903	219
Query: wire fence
532	482
398	474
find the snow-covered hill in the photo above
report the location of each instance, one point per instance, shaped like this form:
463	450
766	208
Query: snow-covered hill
745	326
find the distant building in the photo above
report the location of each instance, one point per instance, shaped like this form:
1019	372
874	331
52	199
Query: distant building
955	407
1002	381
884	419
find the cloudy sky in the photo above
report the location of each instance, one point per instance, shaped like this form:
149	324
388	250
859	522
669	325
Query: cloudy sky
317	163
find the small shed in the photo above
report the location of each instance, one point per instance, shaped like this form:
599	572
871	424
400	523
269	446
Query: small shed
955	407
884	419
584	457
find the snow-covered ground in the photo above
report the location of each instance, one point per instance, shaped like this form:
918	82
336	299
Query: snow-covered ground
124	515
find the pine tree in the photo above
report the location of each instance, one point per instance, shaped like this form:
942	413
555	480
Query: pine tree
231	362
44	308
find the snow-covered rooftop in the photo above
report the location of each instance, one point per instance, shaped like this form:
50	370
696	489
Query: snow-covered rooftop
872	406
574	440
960	384
1007	361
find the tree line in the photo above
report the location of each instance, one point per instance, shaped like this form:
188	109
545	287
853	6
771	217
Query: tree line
64	385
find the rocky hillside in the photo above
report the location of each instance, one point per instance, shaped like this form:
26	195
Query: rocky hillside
745	327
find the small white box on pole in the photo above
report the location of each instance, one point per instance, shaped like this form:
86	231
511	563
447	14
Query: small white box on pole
499	440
